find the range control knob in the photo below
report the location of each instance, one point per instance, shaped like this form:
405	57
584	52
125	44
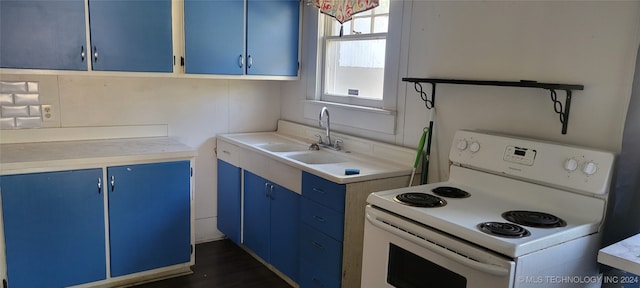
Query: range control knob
571	164
462	144
474	147
590	168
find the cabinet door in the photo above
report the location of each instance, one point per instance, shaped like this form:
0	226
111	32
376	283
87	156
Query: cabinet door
285	219
131	35
214	36
149	216
229	205
54	228
256	214
272	37
41	34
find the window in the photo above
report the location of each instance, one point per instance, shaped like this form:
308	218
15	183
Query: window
354	63
372	55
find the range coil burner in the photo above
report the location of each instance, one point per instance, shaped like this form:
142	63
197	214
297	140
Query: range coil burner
418	199
533	219
503	229
450	192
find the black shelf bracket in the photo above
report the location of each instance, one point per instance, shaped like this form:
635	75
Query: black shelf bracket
562	109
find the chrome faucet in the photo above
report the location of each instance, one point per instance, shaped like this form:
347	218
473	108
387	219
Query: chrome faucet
327	142
328	127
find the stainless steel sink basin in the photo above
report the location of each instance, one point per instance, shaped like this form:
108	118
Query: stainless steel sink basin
283	147
317	157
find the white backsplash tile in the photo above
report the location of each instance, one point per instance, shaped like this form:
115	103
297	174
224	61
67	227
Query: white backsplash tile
35	111
20	105
15	111
32	87
28	122
7	123
13	87
26	99
6	99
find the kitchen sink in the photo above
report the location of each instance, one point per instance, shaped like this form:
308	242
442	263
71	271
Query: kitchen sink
317	157
283	147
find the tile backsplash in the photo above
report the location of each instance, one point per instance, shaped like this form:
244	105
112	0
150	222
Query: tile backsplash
20	105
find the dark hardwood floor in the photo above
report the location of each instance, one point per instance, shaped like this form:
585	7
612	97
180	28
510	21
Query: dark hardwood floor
222	264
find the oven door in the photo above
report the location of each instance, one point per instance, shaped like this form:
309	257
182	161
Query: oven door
401	253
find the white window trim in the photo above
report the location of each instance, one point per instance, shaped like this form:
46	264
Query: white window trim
382	120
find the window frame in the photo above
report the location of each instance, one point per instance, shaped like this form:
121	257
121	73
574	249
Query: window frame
353	117
348	99
328	24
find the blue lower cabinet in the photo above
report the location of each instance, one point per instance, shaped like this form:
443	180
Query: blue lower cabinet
324	192
285	223
323	219
312	277
229	202
54	228
149	216
271	223
256	215
321	232
322	251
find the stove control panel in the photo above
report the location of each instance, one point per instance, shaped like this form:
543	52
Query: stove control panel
519	155
560	165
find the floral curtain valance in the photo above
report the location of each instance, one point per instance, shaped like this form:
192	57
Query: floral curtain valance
343	10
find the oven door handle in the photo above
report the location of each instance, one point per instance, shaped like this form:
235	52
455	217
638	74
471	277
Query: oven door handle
482	267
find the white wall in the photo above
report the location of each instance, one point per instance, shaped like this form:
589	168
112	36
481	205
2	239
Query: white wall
592	43
196	110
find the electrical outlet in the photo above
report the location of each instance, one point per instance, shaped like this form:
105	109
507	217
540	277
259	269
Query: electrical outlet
47	113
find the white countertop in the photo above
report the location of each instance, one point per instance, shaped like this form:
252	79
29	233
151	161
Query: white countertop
374	160
623	255
49	156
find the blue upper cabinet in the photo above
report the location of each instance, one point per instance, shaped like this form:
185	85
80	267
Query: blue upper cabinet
54	229
131	36
218	40
43	35
272	37
214	36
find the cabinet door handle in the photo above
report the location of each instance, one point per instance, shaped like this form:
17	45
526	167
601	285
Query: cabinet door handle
318	190
113	183
99	185
240	61
95	54
319	219
271	194
249	61
82	53
317	245
317	281
268	190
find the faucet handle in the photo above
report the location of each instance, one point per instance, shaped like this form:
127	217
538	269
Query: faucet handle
319	139
338	144
314	147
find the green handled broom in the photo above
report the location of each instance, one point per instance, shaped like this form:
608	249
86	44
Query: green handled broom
418	154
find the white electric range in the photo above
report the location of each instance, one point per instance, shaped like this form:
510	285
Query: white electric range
515	212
